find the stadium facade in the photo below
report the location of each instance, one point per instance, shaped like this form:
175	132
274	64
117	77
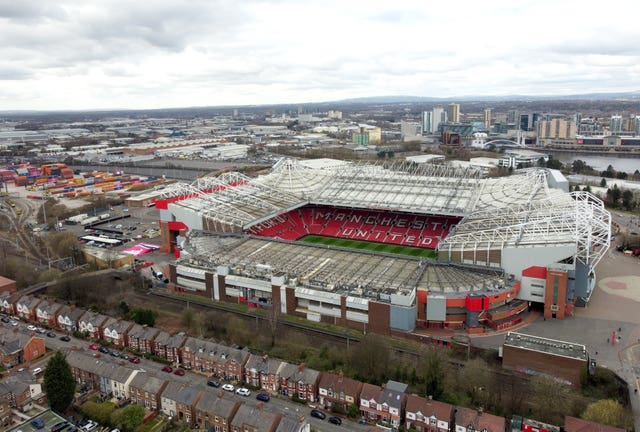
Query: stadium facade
502	244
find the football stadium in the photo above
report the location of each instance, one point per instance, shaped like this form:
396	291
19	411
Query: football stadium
387	247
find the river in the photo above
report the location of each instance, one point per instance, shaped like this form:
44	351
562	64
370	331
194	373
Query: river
600	163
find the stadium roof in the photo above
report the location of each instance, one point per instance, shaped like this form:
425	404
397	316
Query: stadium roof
362	274
517	210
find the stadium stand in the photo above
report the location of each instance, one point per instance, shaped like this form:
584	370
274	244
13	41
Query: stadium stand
369	225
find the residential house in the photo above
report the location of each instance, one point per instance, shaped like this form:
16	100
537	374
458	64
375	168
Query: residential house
290	425
179	401
337	390
146	390
263	372
121	377
5	407
574	424
159	344
299	381
115	331
17	348
383	404
254	419
174	348
26	307
470	420
228	362
86	369
428	415
8	302
46	313
140	338
69	318
146	340
91	323
214	411
21	391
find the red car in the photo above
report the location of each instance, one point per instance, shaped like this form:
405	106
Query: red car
178	372
167	369
135	360
94	347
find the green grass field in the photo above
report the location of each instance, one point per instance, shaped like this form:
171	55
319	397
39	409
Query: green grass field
370	246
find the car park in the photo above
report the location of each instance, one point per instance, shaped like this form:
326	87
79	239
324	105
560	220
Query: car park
228	387
335	420
243	392
167	369
213	383
65	338
263	397
318	414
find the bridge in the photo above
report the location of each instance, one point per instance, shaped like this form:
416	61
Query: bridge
500	142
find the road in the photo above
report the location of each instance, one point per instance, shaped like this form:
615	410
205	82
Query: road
277	404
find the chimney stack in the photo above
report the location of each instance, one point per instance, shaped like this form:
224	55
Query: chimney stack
301	367
340	376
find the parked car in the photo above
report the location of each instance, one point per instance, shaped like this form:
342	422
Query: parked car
263	397
213	383
115	353
318	414
243	392
94	347
135	360
179	372
65	338
5	319
14	323
51	334
37	423
335	420
104	350
228	387
32	327
167	369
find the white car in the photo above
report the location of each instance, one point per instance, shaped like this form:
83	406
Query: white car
32	328
243	392
227	387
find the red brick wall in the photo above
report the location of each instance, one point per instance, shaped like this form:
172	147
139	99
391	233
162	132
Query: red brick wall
561	367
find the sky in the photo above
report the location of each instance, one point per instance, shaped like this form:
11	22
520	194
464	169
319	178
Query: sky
146	54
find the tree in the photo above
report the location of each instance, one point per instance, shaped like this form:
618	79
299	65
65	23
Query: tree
59	383
100	412
474	379
144	316
432	368
603	182
370	357
578	166
551	399
627	199
606	411
129	418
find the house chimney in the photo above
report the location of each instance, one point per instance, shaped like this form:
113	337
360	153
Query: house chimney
301	367
340	376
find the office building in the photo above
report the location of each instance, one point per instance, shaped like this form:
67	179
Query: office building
438	115
615	124
487	119
453	113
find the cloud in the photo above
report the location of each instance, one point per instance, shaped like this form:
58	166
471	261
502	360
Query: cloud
162	53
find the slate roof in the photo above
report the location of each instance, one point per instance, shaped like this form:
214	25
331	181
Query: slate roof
298	373
259	419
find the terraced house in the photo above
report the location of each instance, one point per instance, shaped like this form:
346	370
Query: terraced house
263	372
26	307
338	390
299	381
69	318
427	415
91	324
146	390
214	412
46	313
115	331
383	404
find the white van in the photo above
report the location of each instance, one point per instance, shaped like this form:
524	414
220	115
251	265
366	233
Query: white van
37	370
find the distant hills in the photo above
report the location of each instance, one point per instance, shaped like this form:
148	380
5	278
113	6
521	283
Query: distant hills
635	95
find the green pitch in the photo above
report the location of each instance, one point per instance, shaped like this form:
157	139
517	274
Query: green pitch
370	246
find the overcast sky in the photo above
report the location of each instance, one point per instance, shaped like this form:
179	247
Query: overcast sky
97	54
